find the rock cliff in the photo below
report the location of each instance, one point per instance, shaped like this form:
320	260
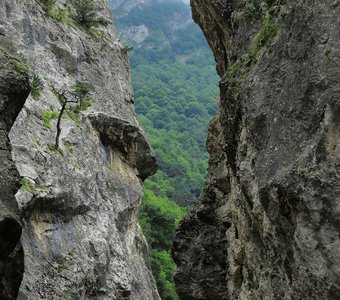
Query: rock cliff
68	218
268	223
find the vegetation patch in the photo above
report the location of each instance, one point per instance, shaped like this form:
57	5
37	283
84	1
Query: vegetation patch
34	142
67	295
328	52
86	14
337	164
49	115
71	254
20	64
26	185
99	35
37	85
69	147
268	31
159	219
77	96
62	16
47	4
62	267
53	148
126	49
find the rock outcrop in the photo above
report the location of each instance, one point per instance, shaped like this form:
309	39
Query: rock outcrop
268	223
69	215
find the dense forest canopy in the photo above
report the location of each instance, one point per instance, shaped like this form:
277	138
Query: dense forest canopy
175	85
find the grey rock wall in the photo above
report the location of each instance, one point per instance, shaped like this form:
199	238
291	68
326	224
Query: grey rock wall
77	207
14	90
267	226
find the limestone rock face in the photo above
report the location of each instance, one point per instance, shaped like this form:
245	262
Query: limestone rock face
77	206
14	90
267	226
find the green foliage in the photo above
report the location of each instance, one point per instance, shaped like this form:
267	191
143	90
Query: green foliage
159	219
26	184
268	31
58	14
99	35
49	115
72	116
337	164
126	49
69	147
86	14
62	16
67	295
71	254
83	105
53	148
34	142
233	71
174	103
328	52
47	4
62	267
82	88
20	64
37	86
164	269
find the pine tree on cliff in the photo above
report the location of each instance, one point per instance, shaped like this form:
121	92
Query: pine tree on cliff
86	14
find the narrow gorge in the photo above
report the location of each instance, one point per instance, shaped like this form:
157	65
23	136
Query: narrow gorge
268	223
74	158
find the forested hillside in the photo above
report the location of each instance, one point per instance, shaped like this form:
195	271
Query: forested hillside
173	75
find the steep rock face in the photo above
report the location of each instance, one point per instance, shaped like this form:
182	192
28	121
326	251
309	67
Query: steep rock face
14	90
78	205
267	226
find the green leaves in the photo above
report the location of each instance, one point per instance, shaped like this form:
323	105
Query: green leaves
268	31
20	64
86	14
37	86
159	219
175	103
82	88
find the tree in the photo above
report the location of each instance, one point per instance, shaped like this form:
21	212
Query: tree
78	95
86	14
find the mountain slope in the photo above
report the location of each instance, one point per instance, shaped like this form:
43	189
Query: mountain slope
175	87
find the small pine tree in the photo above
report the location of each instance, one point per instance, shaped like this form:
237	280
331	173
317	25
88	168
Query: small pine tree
78	95
86	14
37	86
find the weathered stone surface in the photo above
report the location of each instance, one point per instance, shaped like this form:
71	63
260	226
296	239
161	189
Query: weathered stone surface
78	205
268	224
14	90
